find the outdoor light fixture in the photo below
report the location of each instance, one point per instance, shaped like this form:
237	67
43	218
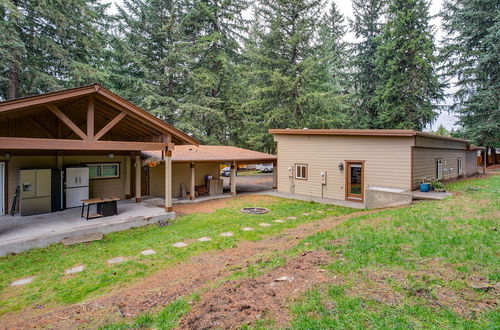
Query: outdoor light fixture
111	155
7	155
341	166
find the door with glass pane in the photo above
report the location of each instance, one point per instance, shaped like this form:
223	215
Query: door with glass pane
354	181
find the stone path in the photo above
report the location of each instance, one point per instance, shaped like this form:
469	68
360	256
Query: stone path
23	281
117	260
74	270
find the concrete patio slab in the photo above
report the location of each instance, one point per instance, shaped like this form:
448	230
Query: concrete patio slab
18	234
74	270
180	244
227	234
116	260
320	200
204	239
148	252
23	281
417	194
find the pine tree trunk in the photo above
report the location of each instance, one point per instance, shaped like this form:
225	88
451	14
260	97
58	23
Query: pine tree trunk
13	81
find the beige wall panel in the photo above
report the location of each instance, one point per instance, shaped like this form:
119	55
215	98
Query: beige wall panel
422	141
102	187
424	163
181	173
471	162
387	162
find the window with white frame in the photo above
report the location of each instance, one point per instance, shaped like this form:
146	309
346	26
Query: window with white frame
104	171
439	169
301	171
459	166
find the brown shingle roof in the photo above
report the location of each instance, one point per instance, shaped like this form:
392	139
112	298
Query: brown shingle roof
206	153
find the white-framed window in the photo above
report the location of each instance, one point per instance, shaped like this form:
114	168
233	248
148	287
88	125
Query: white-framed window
439	169
104	171
459	166
301	171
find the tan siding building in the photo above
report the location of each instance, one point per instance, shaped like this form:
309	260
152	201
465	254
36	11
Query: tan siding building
343	164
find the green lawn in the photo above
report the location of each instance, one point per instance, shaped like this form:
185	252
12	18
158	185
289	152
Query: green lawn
252	172
412	267
51	287
404	268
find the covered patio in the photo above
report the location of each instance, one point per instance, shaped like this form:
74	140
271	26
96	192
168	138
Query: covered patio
79	127
18	234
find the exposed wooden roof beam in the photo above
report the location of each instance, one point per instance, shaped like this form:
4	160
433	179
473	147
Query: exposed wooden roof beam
110	125
59	114
90	118
60	144
41	127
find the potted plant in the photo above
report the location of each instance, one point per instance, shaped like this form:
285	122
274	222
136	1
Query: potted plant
438	186
425	184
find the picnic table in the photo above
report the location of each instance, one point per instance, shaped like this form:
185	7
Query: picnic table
105	206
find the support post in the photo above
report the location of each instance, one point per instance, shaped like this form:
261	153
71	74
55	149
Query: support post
485	160
233	179
90	118
138	169
128	174
275	175
192	191
168	181
60	160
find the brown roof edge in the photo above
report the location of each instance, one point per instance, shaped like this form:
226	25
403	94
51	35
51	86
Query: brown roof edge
363	132
27	101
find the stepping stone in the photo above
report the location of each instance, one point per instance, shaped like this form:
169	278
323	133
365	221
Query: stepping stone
74	270
292	218
23	281
227	234
279	221
306	214
246	229
148	252
179	244
320	211
264	224
116	260
204	239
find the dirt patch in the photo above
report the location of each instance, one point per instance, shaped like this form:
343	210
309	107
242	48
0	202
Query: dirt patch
245	301
215	204
158	290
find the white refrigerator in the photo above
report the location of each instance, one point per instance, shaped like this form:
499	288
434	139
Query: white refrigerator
77	185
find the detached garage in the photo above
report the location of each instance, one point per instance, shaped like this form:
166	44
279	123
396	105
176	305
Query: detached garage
346	164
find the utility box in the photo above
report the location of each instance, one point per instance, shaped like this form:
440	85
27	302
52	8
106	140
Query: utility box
215	187
323	177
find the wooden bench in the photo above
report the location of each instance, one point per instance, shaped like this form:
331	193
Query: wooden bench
105	206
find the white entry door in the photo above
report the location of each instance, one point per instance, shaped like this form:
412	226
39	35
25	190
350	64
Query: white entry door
2	187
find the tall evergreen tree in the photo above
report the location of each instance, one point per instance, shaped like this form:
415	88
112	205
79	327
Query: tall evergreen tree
50	45
472	57
214	29
284	56
406	65
367	26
